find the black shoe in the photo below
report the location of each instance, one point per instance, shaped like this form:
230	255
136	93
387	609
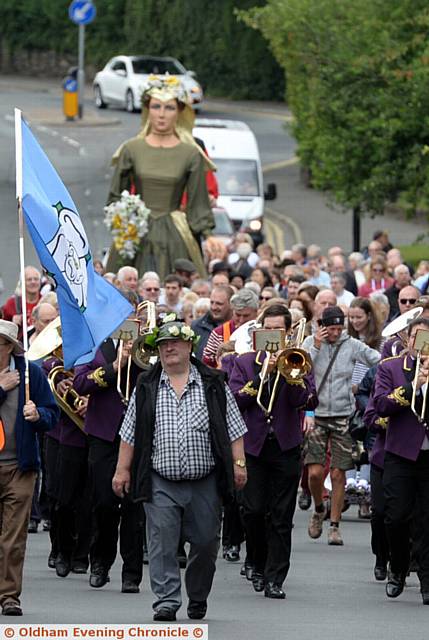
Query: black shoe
249	569
380	572
304	501
425	597
395	585
99	577
130	587
46	525
51	560
258	581
164	615
232	554
11	609
197	610
79	567
62	566
243	571
33	526
273	590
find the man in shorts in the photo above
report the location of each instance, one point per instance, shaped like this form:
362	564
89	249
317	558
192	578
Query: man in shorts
334	354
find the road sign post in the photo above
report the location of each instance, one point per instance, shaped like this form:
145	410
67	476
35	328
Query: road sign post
81	12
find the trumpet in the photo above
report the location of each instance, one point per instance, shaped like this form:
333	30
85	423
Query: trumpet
421	345
70	402
293	363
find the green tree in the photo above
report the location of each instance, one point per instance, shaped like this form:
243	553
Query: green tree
358	87
229	58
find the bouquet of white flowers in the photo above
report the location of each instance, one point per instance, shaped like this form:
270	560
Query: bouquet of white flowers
128	221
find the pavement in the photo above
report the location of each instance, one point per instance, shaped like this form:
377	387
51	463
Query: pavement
331	594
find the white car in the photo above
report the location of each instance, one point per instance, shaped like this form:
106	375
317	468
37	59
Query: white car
121	81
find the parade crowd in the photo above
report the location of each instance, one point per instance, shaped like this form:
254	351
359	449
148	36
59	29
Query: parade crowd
182	435
208	451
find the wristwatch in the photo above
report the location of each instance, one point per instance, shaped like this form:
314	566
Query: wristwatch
240	462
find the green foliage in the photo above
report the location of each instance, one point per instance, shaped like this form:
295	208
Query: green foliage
229	58
358	87
414	253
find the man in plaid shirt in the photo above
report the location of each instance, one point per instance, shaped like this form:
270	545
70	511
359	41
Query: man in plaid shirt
181	452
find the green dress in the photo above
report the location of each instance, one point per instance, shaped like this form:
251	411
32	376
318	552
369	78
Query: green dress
161	175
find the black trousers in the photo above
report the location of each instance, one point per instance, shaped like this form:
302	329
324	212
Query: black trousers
50	454
73	508
406	482
232	527
113	518
272	486
379	543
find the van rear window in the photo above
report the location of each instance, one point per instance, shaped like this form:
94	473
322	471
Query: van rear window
237	177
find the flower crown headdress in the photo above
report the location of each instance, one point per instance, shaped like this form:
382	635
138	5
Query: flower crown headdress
164	88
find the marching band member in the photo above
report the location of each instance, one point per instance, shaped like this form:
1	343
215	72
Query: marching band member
113	518
406	460
273	457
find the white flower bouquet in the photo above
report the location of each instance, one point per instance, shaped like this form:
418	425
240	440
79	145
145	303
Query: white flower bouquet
128	221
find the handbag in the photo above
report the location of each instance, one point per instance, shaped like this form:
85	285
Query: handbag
357	427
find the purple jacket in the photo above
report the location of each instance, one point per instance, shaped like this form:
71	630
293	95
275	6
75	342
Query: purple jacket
290	399
98	380
379	425
392	347
392	399
65	431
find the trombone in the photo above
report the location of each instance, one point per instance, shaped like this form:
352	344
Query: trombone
135	330
421	345
293	363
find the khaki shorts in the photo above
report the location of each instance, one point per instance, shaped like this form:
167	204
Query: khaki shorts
332	433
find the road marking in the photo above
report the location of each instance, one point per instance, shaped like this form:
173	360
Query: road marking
273	166
281	219
71	142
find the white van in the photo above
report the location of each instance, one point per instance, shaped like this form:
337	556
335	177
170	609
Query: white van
233	148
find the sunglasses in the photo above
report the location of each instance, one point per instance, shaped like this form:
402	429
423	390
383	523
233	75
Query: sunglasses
378	270
408	300
151	289
265	297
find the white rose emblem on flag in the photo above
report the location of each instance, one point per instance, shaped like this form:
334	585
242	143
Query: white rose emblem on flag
70	250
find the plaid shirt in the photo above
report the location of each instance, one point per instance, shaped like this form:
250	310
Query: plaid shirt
181	446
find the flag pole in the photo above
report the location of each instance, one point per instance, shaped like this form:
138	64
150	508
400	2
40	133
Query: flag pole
18	158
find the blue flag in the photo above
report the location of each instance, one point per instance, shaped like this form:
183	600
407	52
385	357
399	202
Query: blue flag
90	307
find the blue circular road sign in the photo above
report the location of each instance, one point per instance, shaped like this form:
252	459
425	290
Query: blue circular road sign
82	11
70	84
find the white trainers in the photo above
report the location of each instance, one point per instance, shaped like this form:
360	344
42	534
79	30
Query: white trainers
334	537
315	525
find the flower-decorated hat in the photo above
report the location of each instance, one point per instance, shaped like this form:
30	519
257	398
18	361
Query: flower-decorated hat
165	88
175	330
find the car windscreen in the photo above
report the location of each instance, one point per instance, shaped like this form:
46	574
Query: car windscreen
237	177
159	67
223	225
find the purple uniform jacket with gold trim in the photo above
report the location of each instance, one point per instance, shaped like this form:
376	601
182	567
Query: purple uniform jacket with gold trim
392	399
286	414
65	431
98	380
377	424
